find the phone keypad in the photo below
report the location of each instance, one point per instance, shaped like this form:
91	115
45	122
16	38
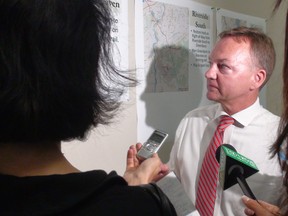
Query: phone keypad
150	146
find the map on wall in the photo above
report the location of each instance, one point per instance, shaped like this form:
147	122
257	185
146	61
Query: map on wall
229	19
166	43
229	22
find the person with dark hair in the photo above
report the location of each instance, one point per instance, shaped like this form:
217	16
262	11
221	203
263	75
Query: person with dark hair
241	63
280	146
57	81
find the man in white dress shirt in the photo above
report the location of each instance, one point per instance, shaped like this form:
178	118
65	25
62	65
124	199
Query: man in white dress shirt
241	62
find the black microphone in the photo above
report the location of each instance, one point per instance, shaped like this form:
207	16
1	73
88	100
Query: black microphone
235	168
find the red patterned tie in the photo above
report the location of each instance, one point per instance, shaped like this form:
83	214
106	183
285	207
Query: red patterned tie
206	193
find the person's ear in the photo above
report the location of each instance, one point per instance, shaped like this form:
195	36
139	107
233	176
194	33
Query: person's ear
258	79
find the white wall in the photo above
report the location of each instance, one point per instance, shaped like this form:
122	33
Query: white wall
106	147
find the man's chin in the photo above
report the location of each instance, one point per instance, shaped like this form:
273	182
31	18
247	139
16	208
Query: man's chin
212	97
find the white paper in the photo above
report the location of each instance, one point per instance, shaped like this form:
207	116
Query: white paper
120	37
172	187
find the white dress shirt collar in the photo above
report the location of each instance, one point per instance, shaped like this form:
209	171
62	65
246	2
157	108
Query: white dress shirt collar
243	117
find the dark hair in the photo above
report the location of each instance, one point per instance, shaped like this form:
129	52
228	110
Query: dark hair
283	127
57	77
262	48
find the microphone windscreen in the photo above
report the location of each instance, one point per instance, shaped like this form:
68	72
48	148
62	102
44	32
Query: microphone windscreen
231	160
217	153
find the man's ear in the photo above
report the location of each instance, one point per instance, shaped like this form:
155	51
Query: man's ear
258	79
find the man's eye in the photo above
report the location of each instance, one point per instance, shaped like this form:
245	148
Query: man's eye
222	66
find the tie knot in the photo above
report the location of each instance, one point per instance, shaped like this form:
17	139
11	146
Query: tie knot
225	121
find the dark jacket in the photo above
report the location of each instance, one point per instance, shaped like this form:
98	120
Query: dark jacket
87	193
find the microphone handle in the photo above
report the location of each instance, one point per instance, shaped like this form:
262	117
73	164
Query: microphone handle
245	187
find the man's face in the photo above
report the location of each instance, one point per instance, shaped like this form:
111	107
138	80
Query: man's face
231	74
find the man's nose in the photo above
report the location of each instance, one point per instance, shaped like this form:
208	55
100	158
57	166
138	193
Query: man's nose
211	73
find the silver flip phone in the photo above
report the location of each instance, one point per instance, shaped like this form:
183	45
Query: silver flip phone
152	145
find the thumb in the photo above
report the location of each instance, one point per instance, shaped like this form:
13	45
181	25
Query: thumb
130	159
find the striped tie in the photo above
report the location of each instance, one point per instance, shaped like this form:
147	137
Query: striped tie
206	193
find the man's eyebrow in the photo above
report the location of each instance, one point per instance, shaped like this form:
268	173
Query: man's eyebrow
218	60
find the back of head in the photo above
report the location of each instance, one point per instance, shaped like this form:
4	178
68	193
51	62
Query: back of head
262	48
54	62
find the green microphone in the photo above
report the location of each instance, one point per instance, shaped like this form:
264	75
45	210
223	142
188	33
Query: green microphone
235	168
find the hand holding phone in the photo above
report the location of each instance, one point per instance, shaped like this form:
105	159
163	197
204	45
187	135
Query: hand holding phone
152	145
140	171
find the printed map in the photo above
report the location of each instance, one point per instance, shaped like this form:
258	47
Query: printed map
166	38
228	23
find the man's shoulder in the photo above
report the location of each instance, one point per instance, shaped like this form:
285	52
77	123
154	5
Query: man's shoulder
268	115
204	111
200	115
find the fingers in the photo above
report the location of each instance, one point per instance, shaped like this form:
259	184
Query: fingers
134	150
130	161
255	207
164	168
138	146
249	212
153	161
143	172
157	168
252	206
275	210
